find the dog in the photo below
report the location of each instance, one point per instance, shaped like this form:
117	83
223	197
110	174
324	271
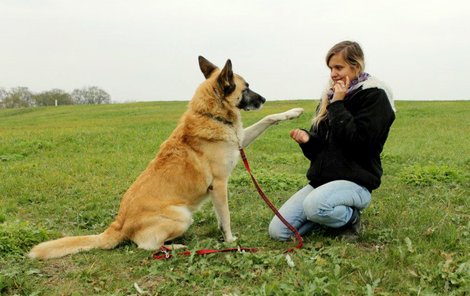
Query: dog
193	164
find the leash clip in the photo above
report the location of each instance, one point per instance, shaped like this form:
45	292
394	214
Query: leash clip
166	252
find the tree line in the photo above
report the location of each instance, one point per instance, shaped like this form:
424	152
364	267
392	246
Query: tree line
21	97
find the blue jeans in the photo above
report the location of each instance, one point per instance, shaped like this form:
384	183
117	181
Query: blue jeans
329	205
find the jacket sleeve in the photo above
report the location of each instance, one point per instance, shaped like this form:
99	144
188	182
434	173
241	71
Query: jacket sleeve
314	143
309	149
365	129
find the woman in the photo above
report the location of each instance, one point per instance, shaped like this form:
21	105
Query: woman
343	145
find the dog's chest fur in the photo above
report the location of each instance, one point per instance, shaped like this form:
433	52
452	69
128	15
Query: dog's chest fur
224	154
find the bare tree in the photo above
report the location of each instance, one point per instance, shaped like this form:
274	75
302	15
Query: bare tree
3	95
90	95
18	97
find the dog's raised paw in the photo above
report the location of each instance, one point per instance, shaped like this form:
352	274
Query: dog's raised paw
294	113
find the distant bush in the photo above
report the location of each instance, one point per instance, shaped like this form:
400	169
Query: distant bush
53	97
22	97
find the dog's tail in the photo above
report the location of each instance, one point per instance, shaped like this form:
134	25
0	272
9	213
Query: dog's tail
110	238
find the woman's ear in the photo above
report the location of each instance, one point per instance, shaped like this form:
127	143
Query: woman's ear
356	71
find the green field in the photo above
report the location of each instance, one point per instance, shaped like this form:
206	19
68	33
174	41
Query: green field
64	169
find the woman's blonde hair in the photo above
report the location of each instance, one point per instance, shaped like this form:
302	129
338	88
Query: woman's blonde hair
353	55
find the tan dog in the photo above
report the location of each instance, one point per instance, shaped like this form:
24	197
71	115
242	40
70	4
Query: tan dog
194	163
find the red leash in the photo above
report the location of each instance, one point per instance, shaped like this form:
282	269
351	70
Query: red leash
165	253
271	205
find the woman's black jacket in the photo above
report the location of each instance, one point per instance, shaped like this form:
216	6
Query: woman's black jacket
347	144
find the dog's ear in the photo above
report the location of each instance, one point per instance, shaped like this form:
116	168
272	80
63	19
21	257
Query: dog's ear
206	67
225	79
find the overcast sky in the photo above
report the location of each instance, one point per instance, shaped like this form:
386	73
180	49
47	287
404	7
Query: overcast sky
146	50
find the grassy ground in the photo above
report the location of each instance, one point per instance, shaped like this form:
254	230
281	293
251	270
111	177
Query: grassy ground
63	171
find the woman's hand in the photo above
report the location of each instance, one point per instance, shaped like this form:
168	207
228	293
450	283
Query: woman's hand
340	88
300	136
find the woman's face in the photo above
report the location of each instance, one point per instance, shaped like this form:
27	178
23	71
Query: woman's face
340	69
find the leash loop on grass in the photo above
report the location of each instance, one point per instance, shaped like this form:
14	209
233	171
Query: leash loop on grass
165	253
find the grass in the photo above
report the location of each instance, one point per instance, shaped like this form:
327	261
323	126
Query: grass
64	169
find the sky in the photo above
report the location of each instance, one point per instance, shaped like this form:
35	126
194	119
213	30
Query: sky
147	50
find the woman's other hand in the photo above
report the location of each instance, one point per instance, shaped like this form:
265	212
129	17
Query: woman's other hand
300	136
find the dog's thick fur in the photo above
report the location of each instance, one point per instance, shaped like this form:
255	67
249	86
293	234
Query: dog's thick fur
194	163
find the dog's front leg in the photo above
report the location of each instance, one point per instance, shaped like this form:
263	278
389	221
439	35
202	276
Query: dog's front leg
252	132
220	202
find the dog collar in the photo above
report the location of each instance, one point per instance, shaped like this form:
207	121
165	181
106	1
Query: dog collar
217	118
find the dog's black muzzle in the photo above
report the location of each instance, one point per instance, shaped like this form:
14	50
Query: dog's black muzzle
250	100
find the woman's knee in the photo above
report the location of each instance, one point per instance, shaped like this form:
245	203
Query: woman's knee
278	231
312	208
